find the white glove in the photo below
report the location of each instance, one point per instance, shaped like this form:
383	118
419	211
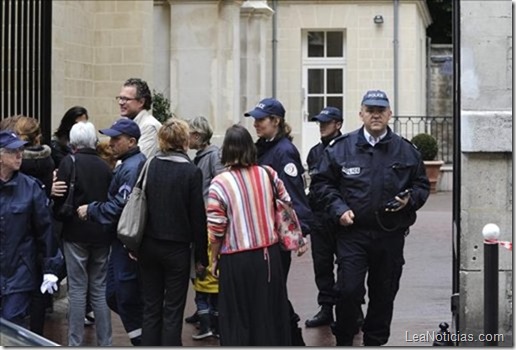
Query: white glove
49	284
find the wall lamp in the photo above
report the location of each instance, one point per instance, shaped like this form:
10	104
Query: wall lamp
378	19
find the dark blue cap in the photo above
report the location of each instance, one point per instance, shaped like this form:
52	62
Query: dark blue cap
267	107
327	114
123	126
375	98
9	139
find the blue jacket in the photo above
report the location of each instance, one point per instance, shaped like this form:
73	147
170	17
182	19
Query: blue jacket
25	235
283	157
354	175
124	177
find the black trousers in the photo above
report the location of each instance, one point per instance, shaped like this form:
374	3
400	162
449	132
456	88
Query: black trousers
324	251
379	255
165	272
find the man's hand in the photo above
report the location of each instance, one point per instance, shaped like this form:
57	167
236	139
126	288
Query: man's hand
403	202
347	218
82	212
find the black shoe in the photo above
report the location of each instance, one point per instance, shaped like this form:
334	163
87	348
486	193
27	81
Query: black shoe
192	319
322	318
205	328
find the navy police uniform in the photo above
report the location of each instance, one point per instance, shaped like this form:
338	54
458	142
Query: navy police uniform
323	233
123	292
25	233
353	175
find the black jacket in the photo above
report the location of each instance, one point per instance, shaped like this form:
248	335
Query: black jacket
354	175
92	179
281	155
37	162
176	206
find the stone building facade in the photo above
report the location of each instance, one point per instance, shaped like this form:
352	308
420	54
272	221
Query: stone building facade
486	157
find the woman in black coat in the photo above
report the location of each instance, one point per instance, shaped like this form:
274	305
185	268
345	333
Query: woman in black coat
86	245
176	219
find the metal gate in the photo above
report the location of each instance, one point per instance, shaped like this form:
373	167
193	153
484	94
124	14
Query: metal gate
26	42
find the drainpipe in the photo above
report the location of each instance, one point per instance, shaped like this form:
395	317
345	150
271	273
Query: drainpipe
274	45
395	59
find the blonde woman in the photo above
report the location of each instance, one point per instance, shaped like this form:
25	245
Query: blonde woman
177	219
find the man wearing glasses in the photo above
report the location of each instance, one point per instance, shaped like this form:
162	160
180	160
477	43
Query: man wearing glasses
135	102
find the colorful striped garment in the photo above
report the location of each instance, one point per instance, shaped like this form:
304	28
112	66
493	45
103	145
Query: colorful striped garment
240	209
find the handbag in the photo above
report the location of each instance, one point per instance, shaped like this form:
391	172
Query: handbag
131	224
67	209
286	222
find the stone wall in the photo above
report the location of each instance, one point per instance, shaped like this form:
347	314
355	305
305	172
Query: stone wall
486	158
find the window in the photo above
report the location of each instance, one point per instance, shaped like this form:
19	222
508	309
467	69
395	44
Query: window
323	70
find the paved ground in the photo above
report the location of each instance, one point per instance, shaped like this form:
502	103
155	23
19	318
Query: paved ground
421	304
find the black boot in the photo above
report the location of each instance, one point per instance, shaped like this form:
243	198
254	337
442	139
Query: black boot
205	327
322	318
192	319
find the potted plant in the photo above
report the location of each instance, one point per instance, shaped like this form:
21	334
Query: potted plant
160	106
427	146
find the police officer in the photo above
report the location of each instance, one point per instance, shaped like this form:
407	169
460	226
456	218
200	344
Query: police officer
323	231
275	148
123	292
359	174
26	234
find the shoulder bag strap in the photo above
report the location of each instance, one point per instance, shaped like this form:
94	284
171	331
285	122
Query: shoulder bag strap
142	178
72	176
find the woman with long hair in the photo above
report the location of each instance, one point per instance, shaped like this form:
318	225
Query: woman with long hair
253	304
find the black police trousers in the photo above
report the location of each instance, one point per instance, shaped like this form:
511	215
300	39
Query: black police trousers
379	255
324	250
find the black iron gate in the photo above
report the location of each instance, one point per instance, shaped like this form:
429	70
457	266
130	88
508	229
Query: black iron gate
26	42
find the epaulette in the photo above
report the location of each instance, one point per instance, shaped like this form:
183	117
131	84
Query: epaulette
337	139
407	140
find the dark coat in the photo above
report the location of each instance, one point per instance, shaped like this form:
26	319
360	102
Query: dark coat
92	179
283	157
124	177
59	151
25	233
176	205
354	175
37	162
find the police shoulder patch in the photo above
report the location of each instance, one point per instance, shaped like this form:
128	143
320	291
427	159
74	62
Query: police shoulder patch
290	169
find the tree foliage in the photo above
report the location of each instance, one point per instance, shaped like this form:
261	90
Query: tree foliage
440	31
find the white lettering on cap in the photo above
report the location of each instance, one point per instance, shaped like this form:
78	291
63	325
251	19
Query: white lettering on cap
260	105
375	95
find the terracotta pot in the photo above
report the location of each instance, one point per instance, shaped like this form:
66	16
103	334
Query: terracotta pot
433	172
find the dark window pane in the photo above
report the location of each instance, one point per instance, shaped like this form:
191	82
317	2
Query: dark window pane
315	105
335	44
334	102
315	44
334	81
315	81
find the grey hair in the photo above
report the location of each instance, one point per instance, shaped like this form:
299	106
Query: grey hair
83	135
201	126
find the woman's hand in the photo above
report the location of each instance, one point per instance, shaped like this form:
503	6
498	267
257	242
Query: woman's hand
215	268
303	248
58	187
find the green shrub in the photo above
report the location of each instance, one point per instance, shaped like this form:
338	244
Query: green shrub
160	106
427	145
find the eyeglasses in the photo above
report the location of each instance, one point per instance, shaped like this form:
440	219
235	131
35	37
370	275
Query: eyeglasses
124	99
